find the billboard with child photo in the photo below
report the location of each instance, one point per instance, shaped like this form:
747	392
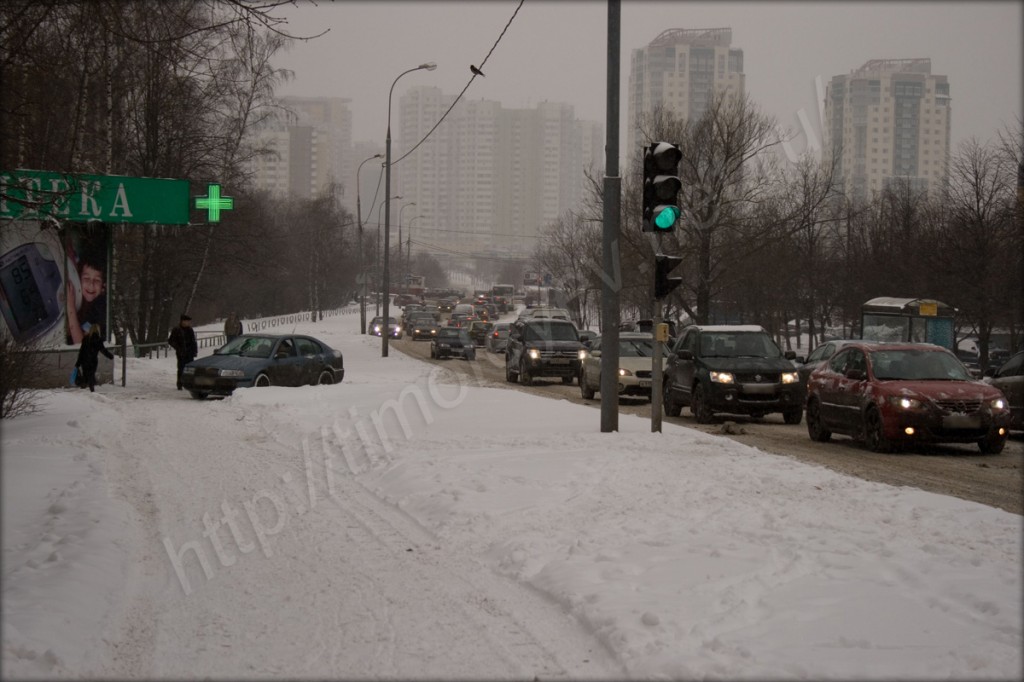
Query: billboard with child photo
53	282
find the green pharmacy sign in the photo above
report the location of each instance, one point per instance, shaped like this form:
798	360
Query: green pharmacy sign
74	197
213	203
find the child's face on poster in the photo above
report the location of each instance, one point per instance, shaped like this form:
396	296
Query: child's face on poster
92	283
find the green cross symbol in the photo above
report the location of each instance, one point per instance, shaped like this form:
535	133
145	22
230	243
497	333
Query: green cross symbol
214	202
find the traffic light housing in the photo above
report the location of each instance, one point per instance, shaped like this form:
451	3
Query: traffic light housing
661	187
663	284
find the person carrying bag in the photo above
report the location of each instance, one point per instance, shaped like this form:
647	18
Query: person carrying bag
89	358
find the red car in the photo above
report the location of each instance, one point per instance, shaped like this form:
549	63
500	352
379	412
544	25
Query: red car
898	394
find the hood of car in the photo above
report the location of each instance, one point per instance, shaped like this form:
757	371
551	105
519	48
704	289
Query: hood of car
747	365
633	363
555	345
939	390
230	362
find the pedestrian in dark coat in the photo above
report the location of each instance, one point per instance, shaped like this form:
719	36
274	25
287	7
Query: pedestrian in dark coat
183	341
232	326
89	356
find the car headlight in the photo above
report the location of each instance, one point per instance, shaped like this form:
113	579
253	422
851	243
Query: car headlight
790	377
376	327
624	372
189	370
582	355
904	402
235	373
433	331
533	354
444	345
723	377
416	331
998	405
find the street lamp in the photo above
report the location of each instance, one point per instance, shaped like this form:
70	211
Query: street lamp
362	270
377	258
429	66
401	272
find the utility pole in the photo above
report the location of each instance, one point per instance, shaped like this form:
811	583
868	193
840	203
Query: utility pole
612	277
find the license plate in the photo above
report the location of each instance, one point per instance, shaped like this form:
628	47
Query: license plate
203	381
644	384
559	361
961	421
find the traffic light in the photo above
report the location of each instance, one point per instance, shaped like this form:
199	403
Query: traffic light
663	284
661	187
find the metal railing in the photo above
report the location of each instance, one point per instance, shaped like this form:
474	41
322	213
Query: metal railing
149	350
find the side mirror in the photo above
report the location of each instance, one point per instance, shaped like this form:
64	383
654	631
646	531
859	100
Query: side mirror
789	355
684	354
801	359
855	374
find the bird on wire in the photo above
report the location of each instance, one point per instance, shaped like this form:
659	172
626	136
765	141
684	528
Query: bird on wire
476	71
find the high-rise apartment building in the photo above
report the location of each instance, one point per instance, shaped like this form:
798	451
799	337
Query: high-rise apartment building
312	141
488	179
679	70
888	120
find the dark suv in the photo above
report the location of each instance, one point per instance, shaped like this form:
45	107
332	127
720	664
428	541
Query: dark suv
736	369
542	348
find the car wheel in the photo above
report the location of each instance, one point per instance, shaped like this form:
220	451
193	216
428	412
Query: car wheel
585	390
672	408
326	377
699	405
510	376
262	380
793	416
874	434
199	395
525	378
815	429
992	444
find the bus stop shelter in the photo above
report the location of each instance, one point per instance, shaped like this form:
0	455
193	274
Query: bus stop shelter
920	320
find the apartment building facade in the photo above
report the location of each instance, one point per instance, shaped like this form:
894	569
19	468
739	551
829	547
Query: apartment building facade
311	141
679	71
889	121
488	180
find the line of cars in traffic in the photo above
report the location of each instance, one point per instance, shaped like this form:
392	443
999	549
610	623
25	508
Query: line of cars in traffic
888	395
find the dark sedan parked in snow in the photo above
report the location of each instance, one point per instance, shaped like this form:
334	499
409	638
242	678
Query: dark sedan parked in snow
263	360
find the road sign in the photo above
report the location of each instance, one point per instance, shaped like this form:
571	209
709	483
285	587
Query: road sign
75	197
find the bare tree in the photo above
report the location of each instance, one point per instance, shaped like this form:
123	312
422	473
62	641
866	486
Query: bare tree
971	235
570	251
726	169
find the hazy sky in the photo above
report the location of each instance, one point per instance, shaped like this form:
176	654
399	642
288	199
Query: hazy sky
557	51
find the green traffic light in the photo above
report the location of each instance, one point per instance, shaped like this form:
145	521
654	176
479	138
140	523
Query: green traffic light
667	217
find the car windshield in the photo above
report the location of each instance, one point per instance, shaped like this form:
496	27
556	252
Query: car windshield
550	332
248	347
738	345
638	348
917	365
449	333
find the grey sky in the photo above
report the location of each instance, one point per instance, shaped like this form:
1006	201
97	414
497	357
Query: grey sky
556	51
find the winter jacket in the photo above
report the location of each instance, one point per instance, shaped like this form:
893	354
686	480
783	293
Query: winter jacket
89	353
183	341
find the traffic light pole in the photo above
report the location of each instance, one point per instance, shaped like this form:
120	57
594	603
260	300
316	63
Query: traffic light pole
657	373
